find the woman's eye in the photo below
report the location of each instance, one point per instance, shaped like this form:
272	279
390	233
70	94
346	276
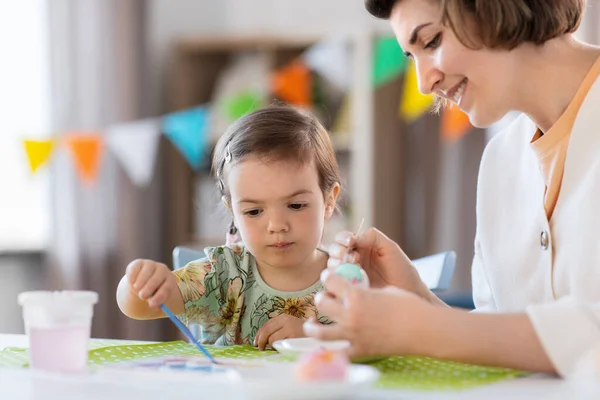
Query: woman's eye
435	42
297	206
253	213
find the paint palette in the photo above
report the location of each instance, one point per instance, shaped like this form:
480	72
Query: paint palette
256	379
184	368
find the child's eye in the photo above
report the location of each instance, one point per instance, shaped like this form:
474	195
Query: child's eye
253	213
435	42
297	206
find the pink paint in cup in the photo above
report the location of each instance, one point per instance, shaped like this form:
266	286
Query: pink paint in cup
58	325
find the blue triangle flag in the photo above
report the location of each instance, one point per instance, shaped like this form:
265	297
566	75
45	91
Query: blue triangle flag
188	130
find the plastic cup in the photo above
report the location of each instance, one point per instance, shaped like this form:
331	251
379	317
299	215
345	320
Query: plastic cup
58	325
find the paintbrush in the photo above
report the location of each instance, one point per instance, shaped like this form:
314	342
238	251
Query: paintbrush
184	329
356	234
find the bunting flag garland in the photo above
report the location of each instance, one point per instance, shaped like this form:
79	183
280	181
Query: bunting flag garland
242	104
135	145
331	59
455	123
241	86
293	83
389	60
86	149
38	152
188	131
319	79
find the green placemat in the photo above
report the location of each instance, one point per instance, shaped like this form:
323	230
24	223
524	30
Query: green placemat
113	354
416	373
103	352
15	357
422	373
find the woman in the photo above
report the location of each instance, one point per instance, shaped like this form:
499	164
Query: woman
536	269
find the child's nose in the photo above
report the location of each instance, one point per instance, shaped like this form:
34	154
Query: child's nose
278	223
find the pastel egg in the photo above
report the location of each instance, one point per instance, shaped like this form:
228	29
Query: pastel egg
353	273
322	365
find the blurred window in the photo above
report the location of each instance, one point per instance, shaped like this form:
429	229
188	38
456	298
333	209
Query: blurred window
24	112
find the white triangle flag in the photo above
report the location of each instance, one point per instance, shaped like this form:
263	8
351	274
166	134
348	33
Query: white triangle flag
331	58
135	145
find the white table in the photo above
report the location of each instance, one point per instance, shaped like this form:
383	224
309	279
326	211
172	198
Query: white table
27	385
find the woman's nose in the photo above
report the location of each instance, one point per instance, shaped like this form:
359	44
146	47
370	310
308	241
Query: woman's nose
428	75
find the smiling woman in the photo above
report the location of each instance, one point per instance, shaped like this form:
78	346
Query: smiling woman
536	267
458	46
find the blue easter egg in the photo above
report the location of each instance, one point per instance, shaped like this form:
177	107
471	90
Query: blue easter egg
350	272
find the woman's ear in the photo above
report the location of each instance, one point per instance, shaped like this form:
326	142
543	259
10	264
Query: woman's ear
331	200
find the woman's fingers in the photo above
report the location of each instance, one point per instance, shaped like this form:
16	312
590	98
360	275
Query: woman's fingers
330	306
335	284
373	240
344	238
337	255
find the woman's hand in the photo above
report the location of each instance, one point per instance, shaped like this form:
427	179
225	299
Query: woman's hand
382	259
391	321
377	322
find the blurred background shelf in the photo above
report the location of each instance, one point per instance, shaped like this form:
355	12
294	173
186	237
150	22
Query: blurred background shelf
368	161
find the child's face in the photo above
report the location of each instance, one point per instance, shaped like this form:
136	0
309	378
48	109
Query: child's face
279	209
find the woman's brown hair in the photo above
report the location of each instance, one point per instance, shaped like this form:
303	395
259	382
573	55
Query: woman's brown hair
501	24
278	133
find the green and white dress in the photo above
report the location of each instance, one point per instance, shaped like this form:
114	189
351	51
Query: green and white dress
226	296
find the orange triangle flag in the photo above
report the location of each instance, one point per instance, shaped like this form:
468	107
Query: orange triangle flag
293	83
86	150
38	152
455	123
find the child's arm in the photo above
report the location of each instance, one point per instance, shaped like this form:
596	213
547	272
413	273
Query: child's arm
146	285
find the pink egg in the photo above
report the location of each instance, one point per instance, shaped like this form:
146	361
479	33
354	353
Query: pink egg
322	365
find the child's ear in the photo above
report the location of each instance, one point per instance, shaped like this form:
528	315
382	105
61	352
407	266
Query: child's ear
332	200
226	203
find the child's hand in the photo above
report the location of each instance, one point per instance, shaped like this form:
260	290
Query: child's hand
151	281
281	327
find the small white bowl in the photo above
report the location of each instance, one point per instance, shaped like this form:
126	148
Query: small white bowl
293	348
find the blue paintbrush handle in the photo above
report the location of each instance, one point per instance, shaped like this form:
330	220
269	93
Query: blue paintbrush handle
184	329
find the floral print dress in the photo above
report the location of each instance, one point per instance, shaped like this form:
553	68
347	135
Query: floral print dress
225	295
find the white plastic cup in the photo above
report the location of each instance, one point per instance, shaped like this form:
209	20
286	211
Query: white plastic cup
58	325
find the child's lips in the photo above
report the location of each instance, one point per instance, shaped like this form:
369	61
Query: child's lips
281	245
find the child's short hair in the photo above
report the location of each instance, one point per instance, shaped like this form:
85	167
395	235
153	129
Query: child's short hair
278	133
